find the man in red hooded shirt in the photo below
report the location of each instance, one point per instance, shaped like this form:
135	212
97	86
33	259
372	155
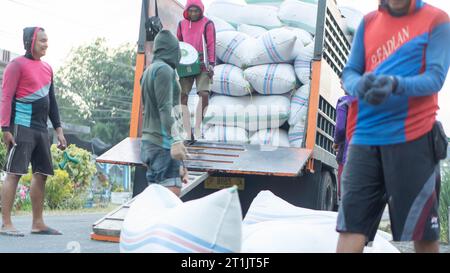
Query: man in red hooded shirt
191	30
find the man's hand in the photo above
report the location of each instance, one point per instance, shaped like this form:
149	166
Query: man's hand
381	89
364	84
178	151
211	71
336	147
184	174
8	139
62	143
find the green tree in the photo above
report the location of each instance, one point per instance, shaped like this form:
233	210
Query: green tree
95	88
444	203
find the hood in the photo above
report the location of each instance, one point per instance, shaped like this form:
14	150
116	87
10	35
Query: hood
167	48
29	38
414	6
191	3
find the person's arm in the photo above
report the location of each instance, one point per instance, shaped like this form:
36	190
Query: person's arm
55	118
437	65
11	79
164	97
179	34
54	110
355	66
211	42
341	122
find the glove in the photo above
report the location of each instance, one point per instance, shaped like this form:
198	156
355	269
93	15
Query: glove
178	151
381	89
364	84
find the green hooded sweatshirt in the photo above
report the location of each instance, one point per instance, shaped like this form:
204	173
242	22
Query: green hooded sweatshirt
161	93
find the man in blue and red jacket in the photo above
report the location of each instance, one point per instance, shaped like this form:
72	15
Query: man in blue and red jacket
399	61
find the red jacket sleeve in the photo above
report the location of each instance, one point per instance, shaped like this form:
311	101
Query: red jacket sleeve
11	79
211	40
179	34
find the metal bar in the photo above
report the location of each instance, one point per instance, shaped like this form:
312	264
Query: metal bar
136	110
142	32
320	29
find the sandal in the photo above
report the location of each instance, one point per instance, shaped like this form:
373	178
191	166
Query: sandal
48	231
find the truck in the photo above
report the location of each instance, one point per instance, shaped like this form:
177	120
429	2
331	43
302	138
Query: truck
305	177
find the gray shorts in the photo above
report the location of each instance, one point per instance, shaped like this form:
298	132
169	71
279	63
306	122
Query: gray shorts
33	147
162	169
405	176
202	82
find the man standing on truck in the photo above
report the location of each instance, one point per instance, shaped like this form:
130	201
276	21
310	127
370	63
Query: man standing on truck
197	30
399	61
27	101
162	148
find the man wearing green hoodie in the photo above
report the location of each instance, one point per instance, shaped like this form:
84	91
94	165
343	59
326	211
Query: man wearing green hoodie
162	147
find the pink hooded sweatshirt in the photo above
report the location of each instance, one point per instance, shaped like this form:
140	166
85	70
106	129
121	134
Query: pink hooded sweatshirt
191	32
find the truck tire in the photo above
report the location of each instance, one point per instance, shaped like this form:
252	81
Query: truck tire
327	192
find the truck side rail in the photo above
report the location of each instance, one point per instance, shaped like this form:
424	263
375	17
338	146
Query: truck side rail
330	56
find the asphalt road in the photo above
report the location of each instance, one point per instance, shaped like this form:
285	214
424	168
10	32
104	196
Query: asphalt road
76	238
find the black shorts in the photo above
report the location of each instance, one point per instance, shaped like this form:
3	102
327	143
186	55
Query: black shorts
404	176
32	146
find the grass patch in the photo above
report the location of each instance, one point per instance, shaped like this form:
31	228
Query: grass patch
444	202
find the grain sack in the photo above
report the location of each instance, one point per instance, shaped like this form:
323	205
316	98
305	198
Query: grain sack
229	80
304	38
252	113
271	79
274	46
297	135
299	105
236	14
353	18
252	31
219	133
274	225
234	48
302	63
221	25
158	221
271	137
299	14
275	3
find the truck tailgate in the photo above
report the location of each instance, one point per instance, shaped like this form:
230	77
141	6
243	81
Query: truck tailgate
213	157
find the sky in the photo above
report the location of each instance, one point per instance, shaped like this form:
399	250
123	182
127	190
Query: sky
70	23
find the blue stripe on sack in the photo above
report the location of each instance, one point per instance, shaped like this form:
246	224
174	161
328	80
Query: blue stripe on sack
266	77
232	47
271	49
156	241
183	234
299	100
268	136
222	81
226	53
274	70
225	133
229	77
276	51
268	48
23	114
